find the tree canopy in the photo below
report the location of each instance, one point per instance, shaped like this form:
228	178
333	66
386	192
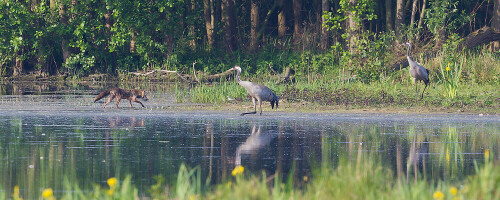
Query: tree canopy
51	37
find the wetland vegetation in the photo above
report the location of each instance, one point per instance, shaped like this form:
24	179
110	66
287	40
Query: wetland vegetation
334	136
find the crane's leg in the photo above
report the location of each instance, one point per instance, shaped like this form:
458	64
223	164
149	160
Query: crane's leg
416	90
423	92
254	107
260	105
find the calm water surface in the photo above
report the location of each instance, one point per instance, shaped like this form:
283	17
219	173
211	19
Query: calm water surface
47	138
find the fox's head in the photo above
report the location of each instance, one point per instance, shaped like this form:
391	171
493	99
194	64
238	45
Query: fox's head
142	95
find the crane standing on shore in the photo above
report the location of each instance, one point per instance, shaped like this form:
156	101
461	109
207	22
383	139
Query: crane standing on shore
257	92
418	72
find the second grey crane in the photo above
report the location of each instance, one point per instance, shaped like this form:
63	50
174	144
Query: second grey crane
257	92
418	72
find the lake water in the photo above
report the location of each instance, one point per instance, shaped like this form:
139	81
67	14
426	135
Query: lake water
49	135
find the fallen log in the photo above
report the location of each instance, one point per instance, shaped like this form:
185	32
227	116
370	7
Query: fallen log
197	76
481	36
202	77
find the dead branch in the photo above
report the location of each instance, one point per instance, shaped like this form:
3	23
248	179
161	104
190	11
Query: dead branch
275	71
194	73
155	71
288	78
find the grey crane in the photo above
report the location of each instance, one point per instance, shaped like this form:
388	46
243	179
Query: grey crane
418	72
257	92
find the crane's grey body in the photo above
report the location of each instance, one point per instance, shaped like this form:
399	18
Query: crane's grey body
418	73
257	92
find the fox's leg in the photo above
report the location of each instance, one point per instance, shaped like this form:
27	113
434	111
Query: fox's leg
109	100
135	100
118	101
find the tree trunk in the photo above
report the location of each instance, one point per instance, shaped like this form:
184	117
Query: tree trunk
209	26
33	5
281	20
229	19
18	67
191	28
64	20
353	27
52	5
325	38
132	42
422	12
413	12
495	23
216	20
108	20
400	16
388	15
40	58
297	19
254	24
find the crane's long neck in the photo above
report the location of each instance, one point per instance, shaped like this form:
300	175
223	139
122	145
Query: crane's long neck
408	52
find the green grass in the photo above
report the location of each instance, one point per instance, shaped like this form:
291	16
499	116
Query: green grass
474	89
362	178
395	91
217	93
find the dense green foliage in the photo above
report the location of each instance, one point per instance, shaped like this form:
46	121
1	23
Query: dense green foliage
85	37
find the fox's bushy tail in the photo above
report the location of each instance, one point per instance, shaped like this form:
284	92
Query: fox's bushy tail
101	95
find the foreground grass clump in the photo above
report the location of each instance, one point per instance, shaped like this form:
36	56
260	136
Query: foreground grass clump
361	179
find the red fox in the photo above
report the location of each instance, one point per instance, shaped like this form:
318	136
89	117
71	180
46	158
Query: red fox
118	93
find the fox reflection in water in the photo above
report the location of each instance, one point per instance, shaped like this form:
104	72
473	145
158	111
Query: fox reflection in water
119	122
254	142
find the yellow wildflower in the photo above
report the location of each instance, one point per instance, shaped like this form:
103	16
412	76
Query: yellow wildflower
448	69
192	197
112	182
487	154
438	195
15	196
453	190
47	193
305	178
238	170
110	191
